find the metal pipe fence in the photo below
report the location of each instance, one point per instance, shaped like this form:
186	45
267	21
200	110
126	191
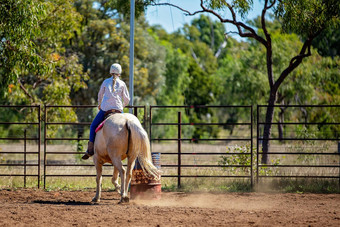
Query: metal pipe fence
302	152
301	158
26	120
180	139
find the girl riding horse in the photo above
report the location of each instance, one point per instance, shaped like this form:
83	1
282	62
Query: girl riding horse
113	96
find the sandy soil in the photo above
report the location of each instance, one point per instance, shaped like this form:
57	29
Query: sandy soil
29	207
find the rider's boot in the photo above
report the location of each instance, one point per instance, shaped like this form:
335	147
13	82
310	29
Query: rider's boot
89	152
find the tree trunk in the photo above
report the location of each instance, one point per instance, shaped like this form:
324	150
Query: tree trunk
268	127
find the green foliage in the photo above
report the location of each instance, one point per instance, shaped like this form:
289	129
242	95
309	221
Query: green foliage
240	156
18	23
40	71
241	6
150	64
189	75
207	31
310	17
59	52
306	18
104	39
242	77
123	7
328	42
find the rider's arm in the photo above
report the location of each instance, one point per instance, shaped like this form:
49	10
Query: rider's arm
126	96
101	94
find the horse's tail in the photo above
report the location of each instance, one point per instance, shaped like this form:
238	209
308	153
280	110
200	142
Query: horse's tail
140	143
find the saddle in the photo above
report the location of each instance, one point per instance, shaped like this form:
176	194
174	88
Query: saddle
107	115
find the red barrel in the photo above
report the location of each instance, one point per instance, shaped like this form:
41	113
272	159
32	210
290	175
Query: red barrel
143	187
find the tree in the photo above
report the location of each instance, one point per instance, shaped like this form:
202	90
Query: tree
190	73
307	18
104	39
328	42
35	67
172	91
35	62
18	23
207	31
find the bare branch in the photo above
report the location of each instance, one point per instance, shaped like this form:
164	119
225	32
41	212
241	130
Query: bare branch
239	25
263	18
271	5
37	83
232	32
25	90
268	45
300	56
296	61
187	13
196	59
251	33
219	51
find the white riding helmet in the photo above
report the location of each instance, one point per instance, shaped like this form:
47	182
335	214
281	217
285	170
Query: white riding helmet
116	69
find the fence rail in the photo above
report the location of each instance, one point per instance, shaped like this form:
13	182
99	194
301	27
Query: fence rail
180	124
25	139
303	139
179	139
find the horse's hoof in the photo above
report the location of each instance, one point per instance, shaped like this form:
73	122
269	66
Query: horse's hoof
124	200
95	200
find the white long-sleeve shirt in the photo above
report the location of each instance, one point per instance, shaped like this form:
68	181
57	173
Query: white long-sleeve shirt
109	99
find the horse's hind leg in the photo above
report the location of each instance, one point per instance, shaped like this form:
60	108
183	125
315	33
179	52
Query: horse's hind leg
99	168
115	179
130	165
117	163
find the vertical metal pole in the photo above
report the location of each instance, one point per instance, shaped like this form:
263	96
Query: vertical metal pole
257	144
39	143
45	143
132	30
251	146
150	126
135	111
339	161
179	148
25	158
145	123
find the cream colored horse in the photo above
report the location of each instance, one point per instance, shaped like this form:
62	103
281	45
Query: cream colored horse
122	136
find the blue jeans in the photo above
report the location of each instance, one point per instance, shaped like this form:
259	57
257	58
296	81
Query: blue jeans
96	121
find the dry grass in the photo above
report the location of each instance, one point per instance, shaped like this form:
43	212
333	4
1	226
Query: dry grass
170	183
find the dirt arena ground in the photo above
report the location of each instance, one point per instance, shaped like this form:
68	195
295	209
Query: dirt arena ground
29	207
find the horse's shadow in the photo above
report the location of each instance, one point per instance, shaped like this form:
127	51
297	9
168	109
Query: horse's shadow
71	202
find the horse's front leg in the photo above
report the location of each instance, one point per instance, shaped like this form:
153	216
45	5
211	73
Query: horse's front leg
99	169
115	179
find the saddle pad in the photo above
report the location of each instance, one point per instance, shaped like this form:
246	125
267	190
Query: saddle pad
100	126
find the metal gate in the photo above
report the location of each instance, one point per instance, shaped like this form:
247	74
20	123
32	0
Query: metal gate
310	148
181	165
19	161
